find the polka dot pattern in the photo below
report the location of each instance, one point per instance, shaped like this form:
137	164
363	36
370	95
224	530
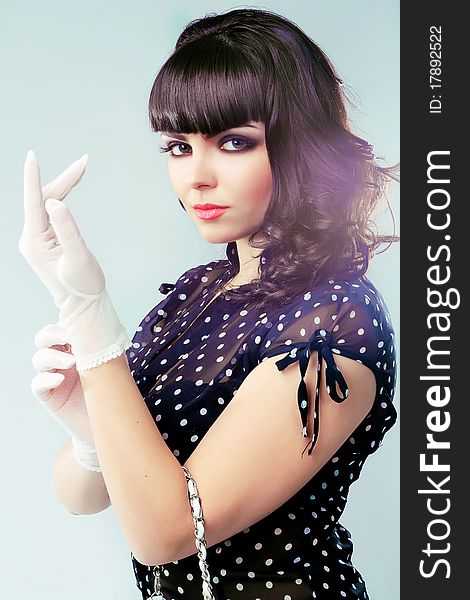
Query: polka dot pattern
190	355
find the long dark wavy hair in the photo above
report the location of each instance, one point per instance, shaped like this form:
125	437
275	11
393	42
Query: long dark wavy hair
251	64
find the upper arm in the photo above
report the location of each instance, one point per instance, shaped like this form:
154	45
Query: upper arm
250	462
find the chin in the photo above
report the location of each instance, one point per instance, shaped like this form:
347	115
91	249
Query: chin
218	239
212	236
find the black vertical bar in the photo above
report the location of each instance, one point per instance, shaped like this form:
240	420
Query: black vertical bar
435	258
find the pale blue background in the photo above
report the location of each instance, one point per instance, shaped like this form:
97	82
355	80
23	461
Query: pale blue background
75	78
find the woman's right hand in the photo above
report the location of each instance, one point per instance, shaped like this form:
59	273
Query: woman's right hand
38	242
58	388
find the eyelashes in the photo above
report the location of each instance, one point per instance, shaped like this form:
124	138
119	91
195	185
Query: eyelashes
246	145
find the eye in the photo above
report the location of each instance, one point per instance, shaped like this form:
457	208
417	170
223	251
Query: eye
241	144
169	148
239	141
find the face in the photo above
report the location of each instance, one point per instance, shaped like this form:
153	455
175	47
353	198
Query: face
231	170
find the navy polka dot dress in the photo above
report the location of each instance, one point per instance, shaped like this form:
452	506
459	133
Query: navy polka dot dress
189	371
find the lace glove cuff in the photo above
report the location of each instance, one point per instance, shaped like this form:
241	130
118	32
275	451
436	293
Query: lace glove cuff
86	455
93	329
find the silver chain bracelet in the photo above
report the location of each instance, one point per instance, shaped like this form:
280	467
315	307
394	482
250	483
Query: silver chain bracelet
157	586
200	541
198	520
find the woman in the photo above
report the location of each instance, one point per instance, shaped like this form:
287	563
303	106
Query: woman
237	366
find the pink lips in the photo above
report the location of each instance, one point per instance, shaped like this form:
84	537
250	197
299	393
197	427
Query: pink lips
209	211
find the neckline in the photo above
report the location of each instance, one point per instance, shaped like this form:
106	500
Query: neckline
231	252
232	270
225	277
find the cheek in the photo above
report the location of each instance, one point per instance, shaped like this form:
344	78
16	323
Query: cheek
172	176
254	180
266	181
260	187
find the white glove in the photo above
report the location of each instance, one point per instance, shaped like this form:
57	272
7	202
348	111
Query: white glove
38	241
57	387
52	245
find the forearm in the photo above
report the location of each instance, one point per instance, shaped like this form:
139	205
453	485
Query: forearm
144	479
79	490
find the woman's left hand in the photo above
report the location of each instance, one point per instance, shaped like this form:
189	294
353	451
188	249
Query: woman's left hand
52	244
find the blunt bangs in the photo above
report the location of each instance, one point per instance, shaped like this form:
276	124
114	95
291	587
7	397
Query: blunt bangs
208	86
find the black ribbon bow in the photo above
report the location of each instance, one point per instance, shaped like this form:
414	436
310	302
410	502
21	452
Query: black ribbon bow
321	341
166	287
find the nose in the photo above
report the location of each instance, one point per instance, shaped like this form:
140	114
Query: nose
201	172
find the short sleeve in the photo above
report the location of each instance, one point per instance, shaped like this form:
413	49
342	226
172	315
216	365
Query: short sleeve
341	317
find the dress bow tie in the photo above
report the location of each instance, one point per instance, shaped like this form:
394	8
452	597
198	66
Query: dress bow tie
321	341
166	287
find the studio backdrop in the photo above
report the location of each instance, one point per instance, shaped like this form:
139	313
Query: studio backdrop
75	78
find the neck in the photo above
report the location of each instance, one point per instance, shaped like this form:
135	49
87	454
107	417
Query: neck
249	259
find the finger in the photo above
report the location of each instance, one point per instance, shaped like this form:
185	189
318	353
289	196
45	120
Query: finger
68	179
44	383
47	359
35	217
64	224
50	335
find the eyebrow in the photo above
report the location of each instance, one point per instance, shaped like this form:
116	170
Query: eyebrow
185	137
